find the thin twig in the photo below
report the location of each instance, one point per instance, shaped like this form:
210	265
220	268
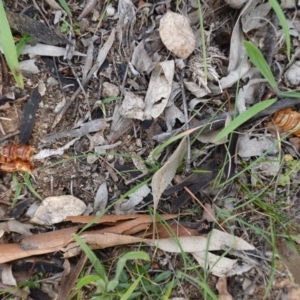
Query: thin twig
82	89
9	135
185	111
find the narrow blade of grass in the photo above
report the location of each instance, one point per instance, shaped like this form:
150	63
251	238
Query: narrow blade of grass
260	63
8	47
243	117
17	187
92	257
130	290
290	94
280	15
121	264
65	6
30	187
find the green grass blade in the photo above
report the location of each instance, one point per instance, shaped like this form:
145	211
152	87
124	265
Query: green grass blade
280	15
86	280
260	63
8	47
289	94
120	266
111	99
30	187
131	289
65	6
243	117
17	187
168	292
92	257
22	43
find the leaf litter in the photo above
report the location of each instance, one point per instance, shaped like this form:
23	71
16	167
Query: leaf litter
137	75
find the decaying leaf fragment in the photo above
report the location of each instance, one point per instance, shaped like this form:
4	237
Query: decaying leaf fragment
132	107
55	209
177	34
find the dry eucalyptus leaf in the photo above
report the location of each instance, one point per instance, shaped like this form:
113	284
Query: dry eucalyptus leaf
195	89
55	209
159	89
234	76
238	52
100	241
46	50
172	113
101	198
177	34
135	198
162	178
255	15
16	226
199	246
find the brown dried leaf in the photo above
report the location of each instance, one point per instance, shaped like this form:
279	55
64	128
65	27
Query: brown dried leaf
100	241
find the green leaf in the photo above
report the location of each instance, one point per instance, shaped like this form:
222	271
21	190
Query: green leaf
17	187
168	292
120	266
24	40
128	293
275	5
8	47
243	117
92	257
162	276
87	280
111	99
260	63
290	94
30	187
65	6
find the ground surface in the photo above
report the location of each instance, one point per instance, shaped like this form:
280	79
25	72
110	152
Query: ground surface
151	84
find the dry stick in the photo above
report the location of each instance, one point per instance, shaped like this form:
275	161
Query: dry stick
74	96
82	88
3	138
185	111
